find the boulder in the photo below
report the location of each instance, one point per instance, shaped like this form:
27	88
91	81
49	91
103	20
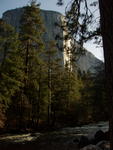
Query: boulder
99	136
76	141
104	145
107	136
84	141
91	147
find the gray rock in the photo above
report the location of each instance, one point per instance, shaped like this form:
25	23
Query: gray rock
84	141
88	62
107	135
51	19
99	136
104	145
91	147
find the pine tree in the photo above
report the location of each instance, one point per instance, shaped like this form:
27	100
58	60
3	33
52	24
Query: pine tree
53	68
99	101
71	95
87	96
11	64
31	32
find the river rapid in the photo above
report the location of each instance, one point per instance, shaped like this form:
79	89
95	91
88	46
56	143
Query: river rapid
63	139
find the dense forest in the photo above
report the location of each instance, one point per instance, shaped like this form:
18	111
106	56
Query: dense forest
36	91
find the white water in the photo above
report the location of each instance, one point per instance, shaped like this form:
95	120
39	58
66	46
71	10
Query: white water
86	130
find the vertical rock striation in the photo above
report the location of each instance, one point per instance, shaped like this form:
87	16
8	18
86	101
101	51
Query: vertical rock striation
51	20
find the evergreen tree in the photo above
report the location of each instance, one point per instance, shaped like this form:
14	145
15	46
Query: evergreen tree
87	92
99	101
71	87
31	32
93	98
11	74
53	67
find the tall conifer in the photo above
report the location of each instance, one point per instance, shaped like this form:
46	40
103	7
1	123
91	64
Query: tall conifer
11	67
32	46
11	62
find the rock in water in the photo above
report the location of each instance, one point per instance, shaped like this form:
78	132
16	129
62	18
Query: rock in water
83	141
91	147
105	145
99	136
107	135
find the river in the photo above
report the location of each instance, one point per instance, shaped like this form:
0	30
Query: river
63	139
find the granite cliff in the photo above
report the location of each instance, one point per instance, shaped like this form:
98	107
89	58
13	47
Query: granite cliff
88	62
51	18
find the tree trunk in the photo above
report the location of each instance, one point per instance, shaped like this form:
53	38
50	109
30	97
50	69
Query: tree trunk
49	91
106	16
39	97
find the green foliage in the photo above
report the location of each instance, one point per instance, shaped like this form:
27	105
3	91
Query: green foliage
99	102
32	46
11	67
53	73
36	87
93	95
11	63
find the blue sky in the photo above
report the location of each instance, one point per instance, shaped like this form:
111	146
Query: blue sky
45	4
48	5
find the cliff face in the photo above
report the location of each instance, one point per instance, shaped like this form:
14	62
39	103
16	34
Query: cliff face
51	19
88	62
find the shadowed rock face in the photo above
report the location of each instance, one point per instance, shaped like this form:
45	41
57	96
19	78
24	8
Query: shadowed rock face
87	62
49	18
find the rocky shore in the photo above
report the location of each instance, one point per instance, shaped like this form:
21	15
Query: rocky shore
87	137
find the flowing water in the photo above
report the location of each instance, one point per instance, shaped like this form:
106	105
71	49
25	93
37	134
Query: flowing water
63	139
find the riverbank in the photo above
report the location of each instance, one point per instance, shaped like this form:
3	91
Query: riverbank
68	138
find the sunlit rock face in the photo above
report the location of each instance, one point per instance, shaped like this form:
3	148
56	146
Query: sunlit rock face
51	20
